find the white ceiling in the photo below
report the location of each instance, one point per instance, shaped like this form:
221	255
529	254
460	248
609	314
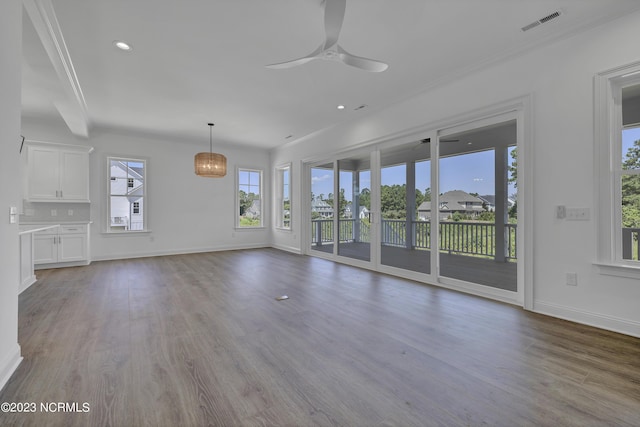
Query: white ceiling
197	61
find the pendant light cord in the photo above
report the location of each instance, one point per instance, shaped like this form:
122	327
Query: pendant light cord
210	137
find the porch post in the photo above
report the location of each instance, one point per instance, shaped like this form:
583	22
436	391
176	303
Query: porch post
501	179
355	205
411	203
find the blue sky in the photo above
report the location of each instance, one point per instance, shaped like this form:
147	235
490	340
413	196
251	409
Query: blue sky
629	136
473	173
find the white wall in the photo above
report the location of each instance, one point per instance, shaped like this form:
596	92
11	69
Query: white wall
559	79
186	213
10	62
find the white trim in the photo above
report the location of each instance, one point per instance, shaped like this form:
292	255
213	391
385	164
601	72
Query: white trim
216	248
607	164
27	283
278	196
286	248
619	270
9	365
610	323
106	225
262	225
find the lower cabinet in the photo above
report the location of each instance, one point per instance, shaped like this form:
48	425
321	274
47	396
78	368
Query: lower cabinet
64	244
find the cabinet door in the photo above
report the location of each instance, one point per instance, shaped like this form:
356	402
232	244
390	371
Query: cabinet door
45	249
73	247
44	173
74	176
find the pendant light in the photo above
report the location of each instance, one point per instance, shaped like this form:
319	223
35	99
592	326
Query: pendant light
210	165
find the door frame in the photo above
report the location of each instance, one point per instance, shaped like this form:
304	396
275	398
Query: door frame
519	109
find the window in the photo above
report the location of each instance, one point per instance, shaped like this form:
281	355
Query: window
127	182
249	200
618	153
283	197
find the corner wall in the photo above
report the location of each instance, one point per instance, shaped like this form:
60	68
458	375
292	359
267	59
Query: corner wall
559	79
10	84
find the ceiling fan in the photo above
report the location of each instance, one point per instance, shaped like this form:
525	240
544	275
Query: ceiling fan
330	49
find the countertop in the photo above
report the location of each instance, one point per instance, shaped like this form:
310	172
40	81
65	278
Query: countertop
32	228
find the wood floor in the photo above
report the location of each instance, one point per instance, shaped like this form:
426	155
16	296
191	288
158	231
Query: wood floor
200	339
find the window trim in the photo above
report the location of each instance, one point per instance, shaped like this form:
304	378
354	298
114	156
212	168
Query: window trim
145	217
279	196
608	165
237	199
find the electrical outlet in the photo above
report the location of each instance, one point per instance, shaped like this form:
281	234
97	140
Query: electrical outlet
572	279
54	212
561	212
70	212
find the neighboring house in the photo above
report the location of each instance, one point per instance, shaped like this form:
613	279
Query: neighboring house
126	196
489	201
253	211
324	209
452	202
364	212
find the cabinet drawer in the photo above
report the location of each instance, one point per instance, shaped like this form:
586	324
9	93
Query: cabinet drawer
73	228
49	232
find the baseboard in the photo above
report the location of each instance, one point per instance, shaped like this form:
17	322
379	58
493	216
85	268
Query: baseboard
179	252
9	365
25	285
286	248
609	323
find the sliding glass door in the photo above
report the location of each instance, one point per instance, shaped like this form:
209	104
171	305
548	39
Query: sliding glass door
405	195
354	206
477	206
451	220
341	208
322	212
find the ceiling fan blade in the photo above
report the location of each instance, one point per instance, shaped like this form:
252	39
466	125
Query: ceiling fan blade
295	62
333	19
360	62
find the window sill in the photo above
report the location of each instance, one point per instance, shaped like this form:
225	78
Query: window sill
249	228
619	270
284	230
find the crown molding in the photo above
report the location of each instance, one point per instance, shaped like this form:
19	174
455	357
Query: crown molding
73	107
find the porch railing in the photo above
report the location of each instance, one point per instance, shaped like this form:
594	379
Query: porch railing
630	243
470	238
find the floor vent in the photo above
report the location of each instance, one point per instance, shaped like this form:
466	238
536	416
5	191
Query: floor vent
544	20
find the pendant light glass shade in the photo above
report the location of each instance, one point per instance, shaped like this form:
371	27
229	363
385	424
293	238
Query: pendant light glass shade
210	165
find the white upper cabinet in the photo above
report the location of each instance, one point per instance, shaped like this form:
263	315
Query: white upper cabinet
57	173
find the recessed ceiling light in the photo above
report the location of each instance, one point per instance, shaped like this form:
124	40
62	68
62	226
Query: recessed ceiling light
340	107
122	45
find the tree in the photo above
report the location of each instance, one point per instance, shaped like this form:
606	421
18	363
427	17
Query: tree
631	188
342	202
365	198
393	199
245	201
513	168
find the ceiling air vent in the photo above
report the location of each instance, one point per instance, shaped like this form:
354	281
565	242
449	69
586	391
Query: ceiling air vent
544	20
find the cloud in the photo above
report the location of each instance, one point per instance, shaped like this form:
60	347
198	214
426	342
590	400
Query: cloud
478	179
321	178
